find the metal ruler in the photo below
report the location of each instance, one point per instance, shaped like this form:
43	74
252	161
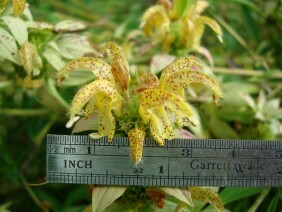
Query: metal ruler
181	162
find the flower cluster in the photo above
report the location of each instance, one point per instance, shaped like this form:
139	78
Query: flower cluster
139	106
179	24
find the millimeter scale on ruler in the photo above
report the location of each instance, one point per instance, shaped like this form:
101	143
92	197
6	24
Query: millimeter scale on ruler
181	162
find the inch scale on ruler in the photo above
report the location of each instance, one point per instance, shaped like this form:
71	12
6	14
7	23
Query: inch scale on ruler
181	162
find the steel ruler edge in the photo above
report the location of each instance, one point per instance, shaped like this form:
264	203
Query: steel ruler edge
79	159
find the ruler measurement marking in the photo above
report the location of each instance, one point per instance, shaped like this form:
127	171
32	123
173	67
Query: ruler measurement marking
267	154
224	144
163	156
204	181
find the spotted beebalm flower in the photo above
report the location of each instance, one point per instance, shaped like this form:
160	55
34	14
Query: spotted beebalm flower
138	105
179	25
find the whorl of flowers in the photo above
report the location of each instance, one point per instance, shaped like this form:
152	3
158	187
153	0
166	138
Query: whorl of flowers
139	106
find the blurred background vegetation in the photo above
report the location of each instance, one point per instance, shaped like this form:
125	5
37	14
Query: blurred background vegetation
247	65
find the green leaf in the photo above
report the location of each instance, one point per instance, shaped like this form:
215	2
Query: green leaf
73	46
54	58
272	106
103	196
250	101
17	27
221	129
8	46
273	204
234	113
235	92
232	194
181	194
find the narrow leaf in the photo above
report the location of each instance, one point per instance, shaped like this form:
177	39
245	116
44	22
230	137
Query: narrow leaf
273	204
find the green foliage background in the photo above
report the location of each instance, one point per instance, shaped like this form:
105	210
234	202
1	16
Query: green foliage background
248	61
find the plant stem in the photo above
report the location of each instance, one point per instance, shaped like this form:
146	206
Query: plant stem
63	7
40	136
24	112
259	200
32	194
246	72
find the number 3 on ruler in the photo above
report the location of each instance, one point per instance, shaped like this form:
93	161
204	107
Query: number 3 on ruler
185	152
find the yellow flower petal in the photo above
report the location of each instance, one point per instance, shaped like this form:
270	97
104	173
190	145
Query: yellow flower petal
152	109
160	125
155	21
90	107
18	7
120	67
107	123
136	141
155	97
190	62
198	30
101	69
87	92
187	26
207	195
204	20
184	78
